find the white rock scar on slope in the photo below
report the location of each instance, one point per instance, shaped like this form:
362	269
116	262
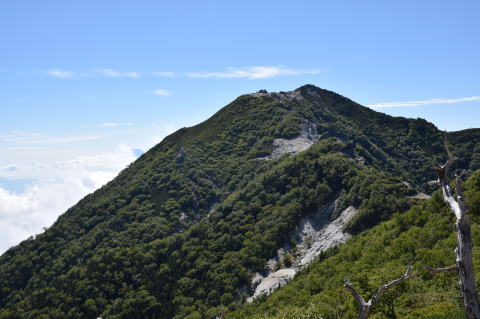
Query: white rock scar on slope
308	136
314	235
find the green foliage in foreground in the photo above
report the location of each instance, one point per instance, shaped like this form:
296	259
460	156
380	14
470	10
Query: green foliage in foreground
425	234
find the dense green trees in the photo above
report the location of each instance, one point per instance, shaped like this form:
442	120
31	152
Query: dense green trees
425	233
180	232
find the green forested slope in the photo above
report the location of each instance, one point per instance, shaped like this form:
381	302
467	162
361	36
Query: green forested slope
183	227
425	235
191	271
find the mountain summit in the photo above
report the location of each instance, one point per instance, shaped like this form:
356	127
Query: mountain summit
197	223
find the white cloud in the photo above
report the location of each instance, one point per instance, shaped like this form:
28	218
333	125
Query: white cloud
62	74
164	74
115	74
252	73
28	138
110	124
58	186
425	102
161	92
18	136
66	139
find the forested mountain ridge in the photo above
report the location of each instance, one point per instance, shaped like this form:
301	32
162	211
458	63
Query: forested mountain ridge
179	231
425	235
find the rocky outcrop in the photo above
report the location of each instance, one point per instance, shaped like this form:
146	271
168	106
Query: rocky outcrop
314	234
314	241
422	196
295	95
273	281
180	156
308	136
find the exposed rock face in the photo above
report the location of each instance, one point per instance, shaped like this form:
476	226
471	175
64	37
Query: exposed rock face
308	136
274	281
183	217
421	196
409	186
180	156
256	280
315	240
308	132
315	233
281	96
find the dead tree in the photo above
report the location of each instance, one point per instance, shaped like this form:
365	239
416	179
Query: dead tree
464	263
364	307
222	316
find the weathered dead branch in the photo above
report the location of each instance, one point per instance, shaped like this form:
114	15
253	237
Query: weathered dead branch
364	307
463	252
436	271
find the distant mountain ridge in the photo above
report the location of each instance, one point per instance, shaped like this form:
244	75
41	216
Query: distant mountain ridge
183	230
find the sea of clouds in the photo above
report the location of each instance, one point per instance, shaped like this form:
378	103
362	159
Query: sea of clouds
54	187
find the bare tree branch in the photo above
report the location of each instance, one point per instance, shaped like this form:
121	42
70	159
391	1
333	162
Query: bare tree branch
458	190
436	182
442	170
364	308
359	299
408	274
463	252
449	199
222	316
436	271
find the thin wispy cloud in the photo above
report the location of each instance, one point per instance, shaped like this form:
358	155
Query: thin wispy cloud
116	74
62	74
161	92
164	74
424	102
27	138
115	124
67	139
18	136
110	124
251	73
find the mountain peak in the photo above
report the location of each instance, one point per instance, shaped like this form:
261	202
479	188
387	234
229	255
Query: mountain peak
308	91
307	88
182	230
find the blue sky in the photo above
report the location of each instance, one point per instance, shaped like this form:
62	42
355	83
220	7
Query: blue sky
85	83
